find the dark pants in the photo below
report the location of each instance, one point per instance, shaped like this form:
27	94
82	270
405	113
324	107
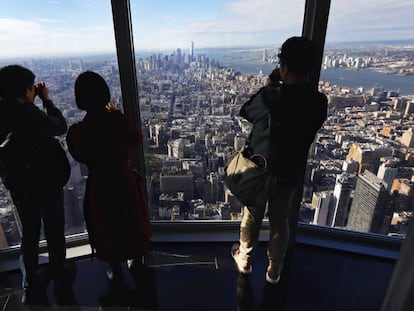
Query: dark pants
33	209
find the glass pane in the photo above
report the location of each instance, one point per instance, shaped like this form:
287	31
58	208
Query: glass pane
57	40
198	62
363	177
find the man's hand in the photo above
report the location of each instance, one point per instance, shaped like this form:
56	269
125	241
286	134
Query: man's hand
42	91
274	78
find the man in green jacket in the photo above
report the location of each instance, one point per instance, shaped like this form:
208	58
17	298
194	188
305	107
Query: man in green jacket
297	111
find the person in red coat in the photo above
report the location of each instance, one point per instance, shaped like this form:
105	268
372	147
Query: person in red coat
115	208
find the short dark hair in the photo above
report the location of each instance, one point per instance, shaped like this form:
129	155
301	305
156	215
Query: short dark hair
15	80
91	91
298	54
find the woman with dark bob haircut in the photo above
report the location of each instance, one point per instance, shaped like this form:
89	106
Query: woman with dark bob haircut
115	209
91	91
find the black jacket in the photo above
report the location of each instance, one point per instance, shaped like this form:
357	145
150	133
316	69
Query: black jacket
297	112
295	120
33	134
29	119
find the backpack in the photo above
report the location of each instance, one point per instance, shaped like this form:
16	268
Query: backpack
36	163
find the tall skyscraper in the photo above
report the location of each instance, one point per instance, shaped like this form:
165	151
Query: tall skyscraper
342	198
322	201
214	187
264	58
370	208
192	51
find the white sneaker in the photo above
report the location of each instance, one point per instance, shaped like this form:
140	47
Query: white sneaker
129	263
272	281
109	274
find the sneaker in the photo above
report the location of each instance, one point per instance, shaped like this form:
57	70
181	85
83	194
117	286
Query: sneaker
109	274
114	273
242	262
34	297
130	264
271	277
26	297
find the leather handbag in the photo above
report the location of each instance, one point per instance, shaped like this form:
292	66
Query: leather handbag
247	177
247	173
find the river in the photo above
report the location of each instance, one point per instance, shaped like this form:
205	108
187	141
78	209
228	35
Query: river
248	63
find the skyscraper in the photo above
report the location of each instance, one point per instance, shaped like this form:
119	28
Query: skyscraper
370	207
322	201
172	182
192	51
342	198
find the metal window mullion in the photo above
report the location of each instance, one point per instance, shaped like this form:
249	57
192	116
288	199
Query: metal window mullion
314	27
121	13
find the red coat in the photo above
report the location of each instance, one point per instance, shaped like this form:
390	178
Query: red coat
116	215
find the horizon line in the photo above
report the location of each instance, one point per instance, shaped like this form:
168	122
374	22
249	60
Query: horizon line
163	50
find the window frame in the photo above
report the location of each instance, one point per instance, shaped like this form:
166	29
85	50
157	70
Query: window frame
314	27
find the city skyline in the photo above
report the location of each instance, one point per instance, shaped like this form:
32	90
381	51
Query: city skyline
62	28
189	113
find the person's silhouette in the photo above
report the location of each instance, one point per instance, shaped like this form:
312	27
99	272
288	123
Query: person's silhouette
36	171
115	207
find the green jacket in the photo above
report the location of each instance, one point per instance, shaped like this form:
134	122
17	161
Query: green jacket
256	111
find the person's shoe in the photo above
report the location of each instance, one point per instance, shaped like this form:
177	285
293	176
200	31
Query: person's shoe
136	266
114	273
130	263
26	297
109	274
271	276
34	297
242	262
113	276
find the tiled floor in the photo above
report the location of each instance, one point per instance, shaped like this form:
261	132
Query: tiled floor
188	276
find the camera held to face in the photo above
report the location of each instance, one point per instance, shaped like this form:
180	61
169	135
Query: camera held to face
39	87
274	78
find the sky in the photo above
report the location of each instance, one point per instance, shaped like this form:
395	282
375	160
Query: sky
63	27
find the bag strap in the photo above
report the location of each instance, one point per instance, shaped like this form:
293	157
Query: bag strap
6	140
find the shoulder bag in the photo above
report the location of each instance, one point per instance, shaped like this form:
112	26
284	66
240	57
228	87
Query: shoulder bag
247	174
247	177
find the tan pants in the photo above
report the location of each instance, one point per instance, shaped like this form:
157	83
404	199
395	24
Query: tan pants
280	203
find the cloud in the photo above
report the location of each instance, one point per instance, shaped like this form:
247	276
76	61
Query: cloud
253	16
349	20
239	22
355	20
48	21
28	38
218	23
19	28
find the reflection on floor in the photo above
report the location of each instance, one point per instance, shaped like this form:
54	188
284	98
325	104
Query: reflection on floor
188	276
